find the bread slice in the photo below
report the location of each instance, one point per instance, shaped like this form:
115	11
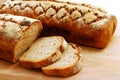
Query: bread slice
43	52
67	65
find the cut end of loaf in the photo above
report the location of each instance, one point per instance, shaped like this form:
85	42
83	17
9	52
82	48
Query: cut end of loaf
67	65
44	51
29	36
17	34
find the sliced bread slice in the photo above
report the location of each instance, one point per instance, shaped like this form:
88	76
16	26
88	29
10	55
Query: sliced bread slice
67	65
43	52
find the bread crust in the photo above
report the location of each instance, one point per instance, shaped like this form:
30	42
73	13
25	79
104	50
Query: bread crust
68	70
98	38
12	32
86	24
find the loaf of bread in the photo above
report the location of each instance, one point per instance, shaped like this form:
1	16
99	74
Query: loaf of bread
43	52
17	33
67	65
82	24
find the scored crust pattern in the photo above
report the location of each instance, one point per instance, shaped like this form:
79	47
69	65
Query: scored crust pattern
18	24
55	12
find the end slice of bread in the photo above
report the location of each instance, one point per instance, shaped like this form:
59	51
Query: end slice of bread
67	65
43	52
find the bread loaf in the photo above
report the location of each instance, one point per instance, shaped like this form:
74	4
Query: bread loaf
43	52
17	33
83	24
67	65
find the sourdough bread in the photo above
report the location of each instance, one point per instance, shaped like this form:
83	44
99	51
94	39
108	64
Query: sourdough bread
43	52
83	23
67	65
17	33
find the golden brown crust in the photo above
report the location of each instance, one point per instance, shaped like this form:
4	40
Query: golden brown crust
84	22
39	64
7	45
98	37
7	48
64	72
11	32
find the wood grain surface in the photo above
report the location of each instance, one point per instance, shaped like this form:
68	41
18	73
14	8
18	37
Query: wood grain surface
98	64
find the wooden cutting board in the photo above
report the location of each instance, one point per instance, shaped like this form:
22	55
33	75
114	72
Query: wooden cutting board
98	64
